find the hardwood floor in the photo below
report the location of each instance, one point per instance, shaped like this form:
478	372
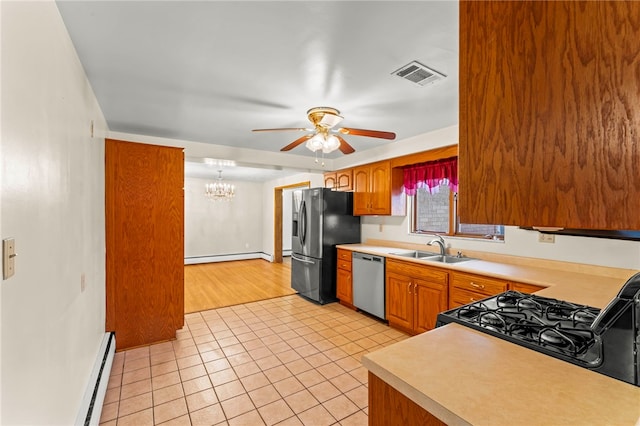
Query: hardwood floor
215	285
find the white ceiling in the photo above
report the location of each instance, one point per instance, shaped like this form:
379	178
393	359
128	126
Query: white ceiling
210	71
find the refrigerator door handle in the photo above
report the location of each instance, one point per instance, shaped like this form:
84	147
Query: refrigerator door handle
301	260
303	223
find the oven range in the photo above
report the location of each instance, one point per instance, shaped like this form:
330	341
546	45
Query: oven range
606	341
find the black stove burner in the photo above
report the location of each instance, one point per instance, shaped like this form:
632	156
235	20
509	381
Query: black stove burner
529	303
554	338
583	316
558	326
509	299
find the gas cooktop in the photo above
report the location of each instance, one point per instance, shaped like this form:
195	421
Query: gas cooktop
602	340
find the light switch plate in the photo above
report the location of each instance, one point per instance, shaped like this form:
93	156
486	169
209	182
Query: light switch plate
8	258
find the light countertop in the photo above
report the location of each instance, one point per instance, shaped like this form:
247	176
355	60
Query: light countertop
463	376
581	284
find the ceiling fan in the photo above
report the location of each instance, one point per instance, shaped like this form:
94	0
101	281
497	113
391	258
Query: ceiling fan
324	137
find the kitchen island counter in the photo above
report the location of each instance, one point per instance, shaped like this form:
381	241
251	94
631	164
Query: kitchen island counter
465	377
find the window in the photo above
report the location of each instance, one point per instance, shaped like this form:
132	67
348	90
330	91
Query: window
432	187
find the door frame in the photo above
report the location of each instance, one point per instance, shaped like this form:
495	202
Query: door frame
277	217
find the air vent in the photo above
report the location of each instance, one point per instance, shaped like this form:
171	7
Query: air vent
417	73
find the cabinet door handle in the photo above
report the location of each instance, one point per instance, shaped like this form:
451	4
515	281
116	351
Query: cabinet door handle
409	287
481	286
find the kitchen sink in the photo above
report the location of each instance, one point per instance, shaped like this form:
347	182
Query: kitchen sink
416	254
447	259
432	257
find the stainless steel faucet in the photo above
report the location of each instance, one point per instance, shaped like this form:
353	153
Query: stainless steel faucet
440	241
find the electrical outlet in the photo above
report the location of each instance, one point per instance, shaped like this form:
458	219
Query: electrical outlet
83	282
546	238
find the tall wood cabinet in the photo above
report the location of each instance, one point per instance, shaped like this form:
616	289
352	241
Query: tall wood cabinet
550	113
415	294
144	204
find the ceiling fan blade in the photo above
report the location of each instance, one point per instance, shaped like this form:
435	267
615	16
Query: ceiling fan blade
365	132
344	146
296	143
301	129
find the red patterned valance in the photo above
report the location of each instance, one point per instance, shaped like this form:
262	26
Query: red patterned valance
430	175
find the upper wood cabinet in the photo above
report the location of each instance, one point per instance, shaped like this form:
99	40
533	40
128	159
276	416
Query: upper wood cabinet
344	180
378	190
341	180
550	113
330	180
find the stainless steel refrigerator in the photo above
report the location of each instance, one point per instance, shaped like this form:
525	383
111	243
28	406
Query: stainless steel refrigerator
322	218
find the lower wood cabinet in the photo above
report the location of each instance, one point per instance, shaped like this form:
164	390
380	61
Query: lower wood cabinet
525	288
467	288
388	406
415	294
344	282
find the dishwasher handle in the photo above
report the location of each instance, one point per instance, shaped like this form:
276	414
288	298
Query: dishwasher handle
367	257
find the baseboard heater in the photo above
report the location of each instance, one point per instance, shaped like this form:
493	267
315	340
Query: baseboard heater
193	260
91	407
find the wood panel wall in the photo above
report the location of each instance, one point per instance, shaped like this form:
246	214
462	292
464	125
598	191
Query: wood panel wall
144	241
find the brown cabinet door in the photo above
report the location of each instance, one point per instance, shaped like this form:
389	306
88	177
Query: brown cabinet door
344	180
144	204
344	287
330	180
361	194
399	295
549	113
380	188
430	299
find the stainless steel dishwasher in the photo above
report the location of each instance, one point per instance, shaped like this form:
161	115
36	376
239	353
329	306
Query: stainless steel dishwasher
368	283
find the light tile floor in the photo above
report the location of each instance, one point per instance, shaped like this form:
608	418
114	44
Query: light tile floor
277	361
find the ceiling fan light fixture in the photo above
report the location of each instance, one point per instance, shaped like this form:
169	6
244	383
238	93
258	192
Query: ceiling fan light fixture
315	143
330	144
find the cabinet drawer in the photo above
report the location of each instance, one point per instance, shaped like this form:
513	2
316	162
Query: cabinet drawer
344	255
417	271
478	284
525	288
459	297
344	265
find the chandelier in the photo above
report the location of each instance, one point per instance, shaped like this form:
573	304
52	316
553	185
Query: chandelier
219	191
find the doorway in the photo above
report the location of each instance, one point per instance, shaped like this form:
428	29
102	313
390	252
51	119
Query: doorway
277	217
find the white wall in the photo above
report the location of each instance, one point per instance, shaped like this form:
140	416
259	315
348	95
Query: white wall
53	204
518	242
221	227
316	179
